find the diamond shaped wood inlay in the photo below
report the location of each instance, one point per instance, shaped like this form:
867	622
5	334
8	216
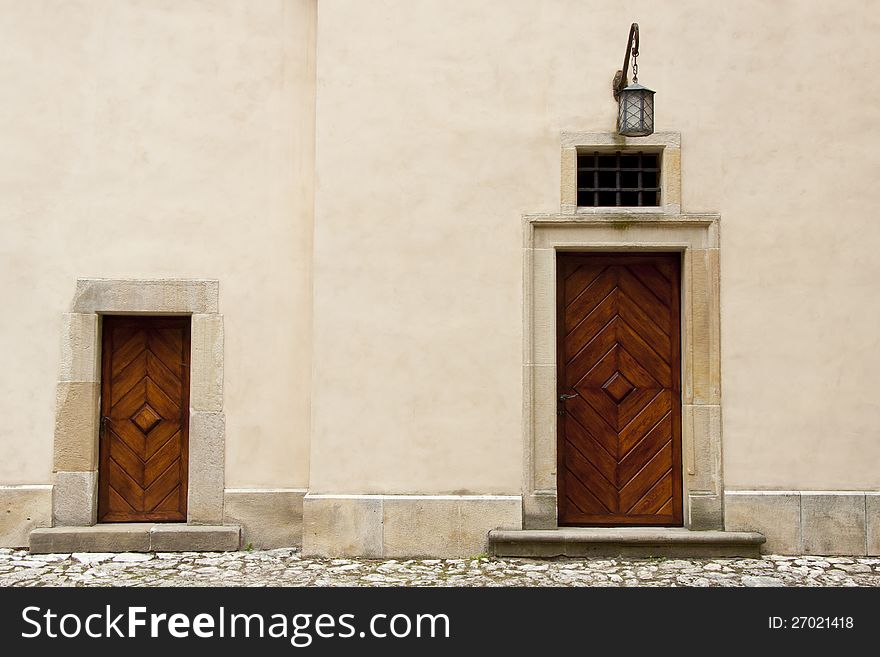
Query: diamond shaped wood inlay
146	419
617	387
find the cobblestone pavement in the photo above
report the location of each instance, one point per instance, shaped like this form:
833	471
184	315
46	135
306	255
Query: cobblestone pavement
286	567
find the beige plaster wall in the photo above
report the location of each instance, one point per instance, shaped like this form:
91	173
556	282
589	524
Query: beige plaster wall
438	126
149	139
181	134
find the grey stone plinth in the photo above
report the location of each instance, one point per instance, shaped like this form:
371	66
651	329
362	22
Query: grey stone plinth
23	509
777	515
872	520
404	526
268	518
342	526
833	523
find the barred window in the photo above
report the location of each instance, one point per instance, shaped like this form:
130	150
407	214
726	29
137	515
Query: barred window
621	179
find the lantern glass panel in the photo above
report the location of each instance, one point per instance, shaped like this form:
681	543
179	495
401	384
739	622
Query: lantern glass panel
636	112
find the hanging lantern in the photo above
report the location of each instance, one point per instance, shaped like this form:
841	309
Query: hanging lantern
635	113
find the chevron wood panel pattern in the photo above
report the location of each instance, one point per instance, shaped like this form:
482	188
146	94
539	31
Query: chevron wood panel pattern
618	354
145	419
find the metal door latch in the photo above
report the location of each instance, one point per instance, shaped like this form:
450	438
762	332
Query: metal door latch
562	398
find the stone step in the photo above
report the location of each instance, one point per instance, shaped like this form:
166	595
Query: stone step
136	537
623	541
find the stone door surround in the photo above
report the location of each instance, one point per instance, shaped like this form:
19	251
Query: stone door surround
663	228
75	461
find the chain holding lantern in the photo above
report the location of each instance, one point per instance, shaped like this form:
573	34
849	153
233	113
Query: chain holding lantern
635	114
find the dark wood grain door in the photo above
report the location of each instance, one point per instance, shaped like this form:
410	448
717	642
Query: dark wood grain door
619	429
145	419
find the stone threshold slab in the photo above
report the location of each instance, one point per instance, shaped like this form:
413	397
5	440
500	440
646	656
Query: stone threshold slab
136	537
623	541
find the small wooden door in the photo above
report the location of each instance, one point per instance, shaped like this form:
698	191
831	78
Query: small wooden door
145	419
618	350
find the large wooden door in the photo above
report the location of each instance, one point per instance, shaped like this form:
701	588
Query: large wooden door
145	419
619	429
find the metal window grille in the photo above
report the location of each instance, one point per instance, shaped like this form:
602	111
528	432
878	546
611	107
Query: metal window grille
620	179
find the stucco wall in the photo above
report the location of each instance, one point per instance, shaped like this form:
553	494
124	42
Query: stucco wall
160	139
438	127
175	139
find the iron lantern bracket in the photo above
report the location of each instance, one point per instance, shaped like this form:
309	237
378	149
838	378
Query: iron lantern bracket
632	48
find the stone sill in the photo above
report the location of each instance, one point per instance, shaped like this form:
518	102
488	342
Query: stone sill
622	215
624	541
136	537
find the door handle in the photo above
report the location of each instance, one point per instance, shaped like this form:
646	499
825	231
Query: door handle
562	398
